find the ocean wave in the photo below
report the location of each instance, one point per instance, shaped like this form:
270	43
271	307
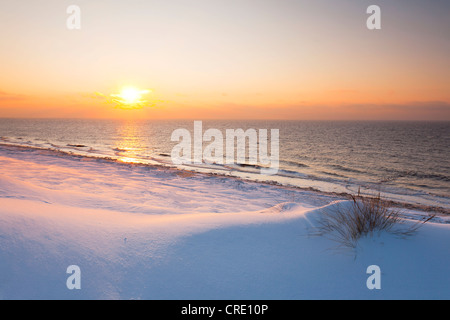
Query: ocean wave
346	169
294	163
77	145
397	174
334	174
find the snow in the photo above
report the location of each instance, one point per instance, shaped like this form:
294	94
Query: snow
140	232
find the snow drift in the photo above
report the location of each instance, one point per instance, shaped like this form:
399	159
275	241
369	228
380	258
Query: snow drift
140	233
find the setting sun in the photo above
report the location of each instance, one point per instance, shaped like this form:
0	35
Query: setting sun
130	98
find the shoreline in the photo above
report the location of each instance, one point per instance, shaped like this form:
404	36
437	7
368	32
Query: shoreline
187	172
141	232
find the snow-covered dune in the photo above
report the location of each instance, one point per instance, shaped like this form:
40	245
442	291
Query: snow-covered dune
152	233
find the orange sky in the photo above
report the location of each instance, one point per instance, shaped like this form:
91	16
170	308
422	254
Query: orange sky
227	60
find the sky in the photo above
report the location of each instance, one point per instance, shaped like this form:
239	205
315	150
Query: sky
226	59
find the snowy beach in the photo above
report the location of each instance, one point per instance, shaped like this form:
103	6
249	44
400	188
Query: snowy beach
143	232
224	150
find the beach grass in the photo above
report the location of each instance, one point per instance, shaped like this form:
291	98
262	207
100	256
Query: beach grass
365	216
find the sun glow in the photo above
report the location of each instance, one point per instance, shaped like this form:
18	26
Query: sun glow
130	98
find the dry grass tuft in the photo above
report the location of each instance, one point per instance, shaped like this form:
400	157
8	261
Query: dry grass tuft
361	217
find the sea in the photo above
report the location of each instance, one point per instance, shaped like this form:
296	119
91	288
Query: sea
407	162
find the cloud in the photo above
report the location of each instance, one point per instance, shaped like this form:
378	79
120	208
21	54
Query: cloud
4	96
415	110
411	111
127	100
